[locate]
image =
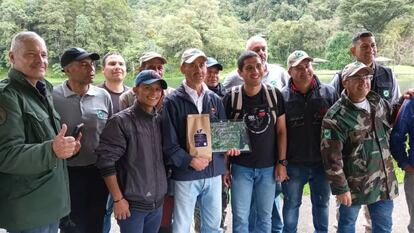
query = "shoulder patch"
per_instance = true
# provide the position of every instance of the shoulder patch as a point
(333, 110)
(3, 115)
(327, 134)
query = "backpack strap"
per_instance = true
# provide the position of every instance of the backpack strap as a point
(236, 101)
(271, 100)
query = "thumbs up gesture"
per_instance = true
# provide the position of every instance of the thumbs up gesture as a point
(65, 147)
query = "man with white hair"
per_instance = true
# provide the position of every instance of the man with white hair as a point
(34, 190)
(274, 75)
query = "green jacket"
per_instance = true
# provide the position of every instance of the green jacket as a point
(34, 188)
(355, 150)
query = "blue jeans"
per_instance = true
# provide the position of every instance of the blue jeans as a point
(50, 228)
(142, 222)
(208, 194)
(277, 222)
(299, 175)
(108, 214)
(249, 184)
(381, 216)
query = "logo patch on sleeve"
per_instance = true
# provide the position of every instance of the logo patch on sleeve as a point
(386, 93)
(327, 134)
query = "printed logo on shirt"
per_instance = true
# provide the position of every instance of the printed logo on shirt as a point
(101, 114)
(257, 120)
(3, 115)
(273, 83)
(386, 93)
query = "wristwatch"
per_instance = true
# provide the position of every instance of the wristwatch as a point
(283, 162)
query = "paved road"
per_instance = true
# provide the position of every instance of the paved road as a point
(400, 217)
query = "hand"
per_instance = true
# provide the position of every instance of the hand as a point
(408, 94)
(227, 178)
(121, 210)
(281, 173)
(64, 147)
(345, 199)
(409, 169)
(199, 163)
(78, 144)
(232, 152)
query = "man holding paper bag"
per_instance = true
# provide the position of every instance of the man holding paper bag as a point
(196, 171)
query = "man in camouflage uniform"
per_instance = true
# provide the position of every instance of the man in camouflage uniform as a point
(355, 152)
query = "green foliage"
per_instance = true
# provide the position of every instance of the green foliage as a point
(372, 15)
(397, 40)
(337, 50)
(219, 27)
(305, 34)
(13, 19)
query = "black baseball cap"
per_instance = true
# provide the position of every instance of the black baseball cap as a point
(149, 77)
(76, 54)
(213, 62)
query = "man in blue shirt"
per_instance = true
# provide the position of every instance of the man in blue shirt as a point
(405, 125)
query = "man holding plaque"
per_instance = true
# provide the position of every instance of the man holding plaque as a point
(196, 177)
(254, 174)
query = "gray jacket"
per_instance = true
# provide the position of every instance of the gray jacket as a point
(130, 147)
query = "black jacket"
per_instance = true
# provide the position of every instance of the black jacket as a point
(176, 107)
(130, 147)
(304, 114)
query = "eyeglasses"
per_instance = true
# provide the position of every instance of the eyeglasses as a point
(361, 77)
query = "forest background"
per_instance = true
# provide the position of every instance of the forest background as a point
(220, 28)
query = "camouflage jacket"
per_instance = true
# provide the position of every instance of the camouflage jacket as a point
(355, 150)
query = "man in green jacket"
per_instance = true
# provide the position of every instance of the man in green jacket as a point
(34, 191)
(355, 152)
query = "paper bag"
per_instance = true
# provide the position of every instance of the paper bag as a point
(199, 135)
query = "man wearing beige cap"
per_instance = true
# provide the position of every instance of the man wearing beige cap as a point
(195, 178)
(355, 151)
(364, 50)
(306, 102)
(148, 61)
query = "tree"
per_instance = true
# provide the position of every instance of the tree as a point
(397, 40)
(372, 15)
(13, 19)
(337, 50)
(305, 34)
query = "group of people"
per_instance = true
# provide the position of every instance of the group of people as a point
(131, 157)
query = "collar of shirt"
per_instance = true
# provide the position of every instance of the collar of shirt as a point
(68, 92)
(197, 99)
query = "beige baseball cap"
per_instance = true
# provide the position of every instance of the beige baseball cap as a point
(151, 55)
(190, 55)
(296, 57)
(353, 68)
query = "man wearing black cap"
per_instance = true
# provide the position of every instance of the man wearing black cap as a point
(77, 101)
(213, 78)
(132, 140)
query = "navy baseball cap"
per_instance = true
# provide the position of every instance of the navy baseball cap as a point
(149, 77)
(76, 54)
(213, 62)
